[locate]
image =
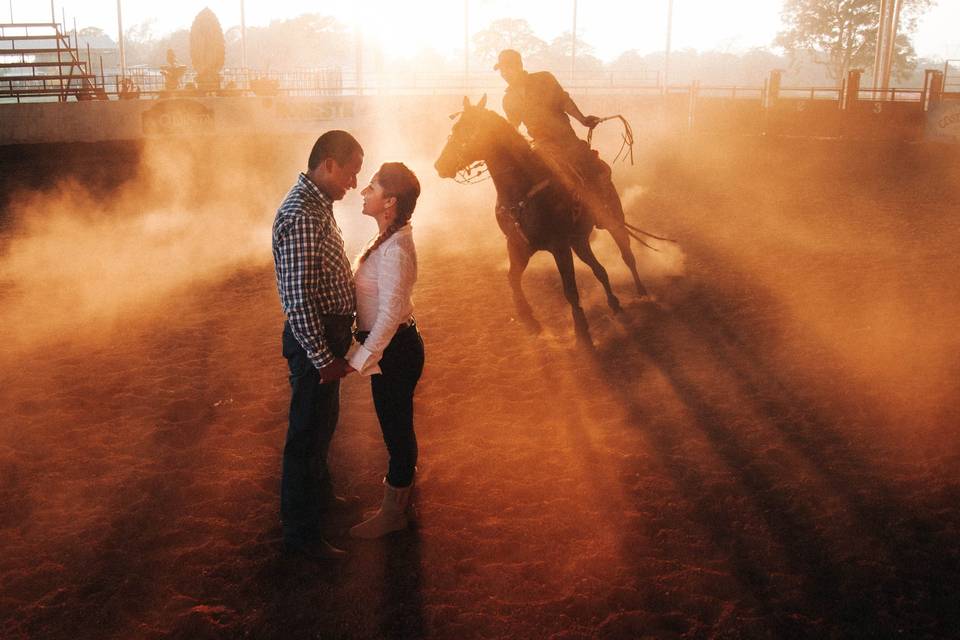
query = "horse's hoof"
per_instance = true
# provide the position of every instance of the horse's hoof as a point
(615, 306)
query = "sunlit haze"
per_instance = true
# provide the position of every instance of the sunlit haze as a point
(403, 29)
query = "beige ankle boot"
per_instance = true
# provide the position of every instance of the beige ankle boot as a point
(391, 516)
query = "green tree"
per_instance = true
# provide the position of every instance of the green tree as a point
(207, 49)
(844, 33)
(507, 33)
(556, 56)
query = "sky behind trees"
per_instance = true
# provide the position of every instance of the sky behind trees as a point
(400, 29)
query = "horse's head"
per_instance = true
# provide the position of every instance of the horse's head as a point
(469, 141)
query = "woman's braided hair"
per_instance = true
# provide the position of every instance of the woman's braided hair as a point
(399, 182)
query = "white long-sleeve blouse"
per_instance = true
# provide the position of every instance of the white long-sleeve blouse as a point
(384, 284)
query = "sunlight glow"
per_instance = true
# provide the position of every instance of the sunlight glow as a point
(398, 29)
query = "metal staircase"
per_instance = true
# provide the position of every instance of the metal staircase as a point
(38, 61)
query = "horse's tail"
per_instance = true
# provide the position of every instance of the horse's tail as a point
(639, 238)
(636, 230)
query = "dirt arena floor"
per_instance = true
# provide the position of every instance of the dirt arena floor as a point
(767, 449)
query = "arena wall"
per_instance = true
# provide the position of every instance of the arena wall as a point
(104, 121)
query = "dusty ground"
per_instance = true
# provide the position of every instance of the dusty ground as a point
(770, 450)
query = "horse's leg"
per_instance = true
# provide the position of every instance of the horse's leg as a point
(581, 246)
(564, 259)
(519, 258)
(613, 220)
(622, 238)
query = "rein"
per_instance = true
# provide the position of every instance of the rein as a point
(466, 175)
(513, 213)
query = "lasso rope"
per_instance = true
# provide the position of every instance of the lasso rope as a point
(627, 137)
(635, 232)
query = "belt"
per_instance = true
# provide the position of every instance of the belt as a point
(361, 336)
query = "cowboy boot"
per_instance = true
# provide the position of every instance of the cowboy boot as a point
(419, 476)
(391, 516)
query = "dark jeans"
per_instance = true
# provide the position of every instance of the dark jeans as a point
(401, 366)
(305, 486)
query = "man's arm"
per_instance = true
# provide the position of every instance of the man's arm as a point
(570, 107)
(298, 276)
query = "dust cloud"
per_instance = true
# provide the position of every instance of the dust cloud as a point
(76, 261)
(844, 251)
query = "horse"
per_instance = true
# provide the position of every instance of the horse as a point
(594, 187)
(534, 210)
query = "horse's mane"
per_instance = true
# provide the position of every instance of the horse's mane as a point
(517, 145)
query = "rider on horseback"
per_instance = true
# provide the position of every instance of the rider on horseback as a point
(539, 102)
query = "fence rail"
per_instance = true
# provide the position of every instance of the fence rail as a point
(156, 82)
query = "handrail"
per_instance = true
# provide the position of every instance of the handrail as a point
(20, 65)
(6, 38)
(27, 24)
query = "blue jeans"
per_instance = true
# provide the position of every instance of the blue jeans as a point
(305, 486)
(401, 366)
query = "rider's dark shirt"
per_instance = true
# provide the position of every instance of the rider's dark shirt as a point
(538, 100)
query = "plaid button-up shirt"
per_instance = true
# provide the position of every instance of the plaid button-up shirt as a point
(313, 272)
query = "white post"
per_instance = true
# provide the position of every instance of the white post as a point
(666, 57)
(878, 57)
(358, 43)
(573, 50)
(123, 55)
(891, 42)
(243, 38)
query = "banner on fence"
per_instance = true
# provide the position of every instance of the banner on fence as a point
(943, 122)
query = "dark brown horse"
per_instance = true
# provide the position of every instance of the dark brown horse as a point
(534, 210)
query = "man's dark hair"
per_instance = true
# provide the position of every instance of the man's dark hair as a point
(335, 144)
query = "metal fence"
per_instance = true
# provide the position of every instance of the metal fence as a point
(154, 82)
(951, 76)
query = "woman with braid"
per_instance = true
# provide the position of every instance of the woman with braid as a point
(389, 348)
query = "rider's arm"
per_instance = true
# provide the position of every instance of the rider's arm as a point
(570, 107)
(567, 103)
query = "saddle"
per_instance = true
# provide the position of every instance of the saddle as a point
(578, 169)
(562, 165)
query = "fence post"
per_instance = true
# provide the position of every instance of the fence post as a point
(932, 89)
(851, 89)
(773, 88)
(692, 107)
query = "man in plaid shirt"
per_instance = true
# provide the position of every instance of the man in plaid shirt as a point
(318, 298)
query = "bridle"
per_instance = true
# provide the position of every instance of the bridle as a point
(469, 173)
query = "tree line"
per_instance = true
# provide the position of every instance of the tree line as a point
(822, 40)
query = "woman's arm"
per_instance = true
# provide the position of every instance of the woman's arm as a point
(396, 276)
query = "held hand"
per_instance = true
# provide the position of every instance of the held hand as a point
(335, 370)
(591, 121)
